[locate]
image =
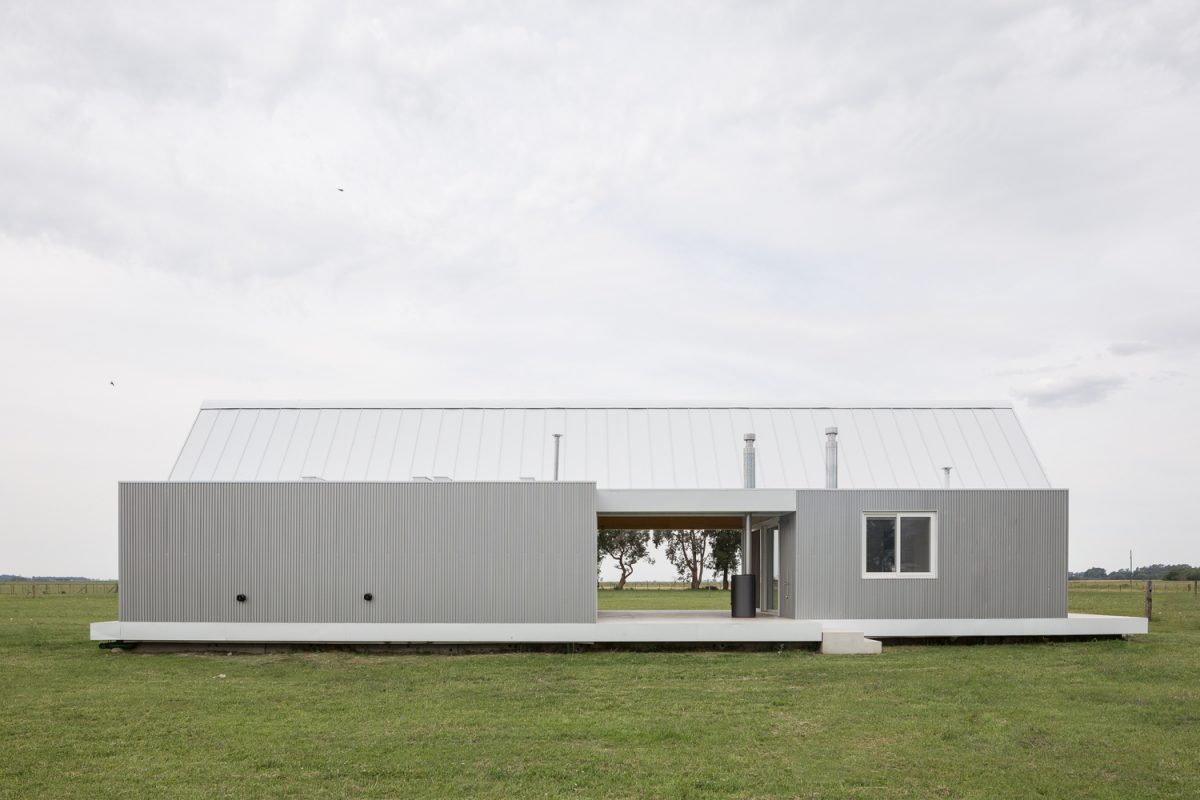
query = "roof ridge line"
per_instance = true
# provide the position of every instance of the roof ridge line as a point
(575, 404)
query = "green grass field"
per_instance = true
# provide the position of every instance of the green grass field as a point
(1078, 719)
(669, 598)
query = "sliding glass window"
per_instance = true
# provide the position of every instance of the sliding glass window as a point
(899, 545)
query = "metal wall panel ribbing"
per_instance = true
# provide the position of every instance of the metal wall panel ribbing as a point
(1000, 554)
(308, 551)
(787, 566)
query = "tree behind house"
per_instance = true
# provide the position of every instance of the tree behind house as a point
(723, 556)
(687, 551)
(626, 547)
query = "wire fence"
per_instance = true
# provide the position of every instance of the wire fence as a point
(51, 588)
(1136, 585)
(666, 586)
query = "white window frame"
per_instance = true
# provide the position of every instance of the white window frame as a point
(898, 516)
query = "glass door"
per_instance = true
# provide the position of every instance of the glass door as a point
(769, 569)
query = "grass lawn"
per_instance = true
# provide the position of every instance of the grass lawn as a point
(1081, 719)
(662, 599)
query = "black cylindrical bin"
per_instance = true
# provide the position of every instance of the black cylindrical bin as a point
(744, 595)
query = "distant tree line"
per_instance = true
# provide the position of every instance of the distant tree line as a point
(42, 579)
(691, 552)
(1153, 572)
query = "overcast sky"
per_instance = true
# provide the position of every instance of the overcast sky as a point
(877, 203)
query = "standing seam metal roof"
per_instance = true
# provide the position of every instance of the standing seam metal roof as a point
(645, 447)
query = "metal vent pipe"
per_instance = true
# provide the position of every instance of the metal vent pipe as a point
(831, 448)
(748, 461)
(947, 471)
(557, 440)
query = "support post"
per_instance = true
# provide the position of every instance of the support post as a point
(1149, 598)
(746, 545)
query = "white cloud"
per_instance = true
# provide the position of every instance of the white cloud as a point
(1079, 390)
(1131, 348)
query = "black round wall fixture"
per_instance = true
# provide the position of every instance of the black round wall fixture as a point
(368, 597)
(241, 598)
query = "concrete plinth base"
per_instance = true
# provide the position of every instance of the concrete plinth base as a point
(623, 627)
(848, 643)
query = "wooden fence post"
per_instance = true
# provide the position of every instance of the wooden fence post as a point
(1149, 598)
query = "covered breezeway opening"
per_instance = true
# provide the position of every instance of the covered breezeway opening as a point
(764, 560)
(763, 516)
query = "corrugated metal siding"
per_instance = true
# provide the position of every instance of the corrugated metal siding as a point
(787, 566)
(1000, 554)
(618, 448)
(307, 552)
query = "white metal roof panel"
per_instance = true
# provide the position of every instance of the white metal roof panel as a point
(648, 447)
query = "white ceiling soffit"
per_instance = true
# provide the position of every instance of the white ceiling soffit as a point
(618, 448)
